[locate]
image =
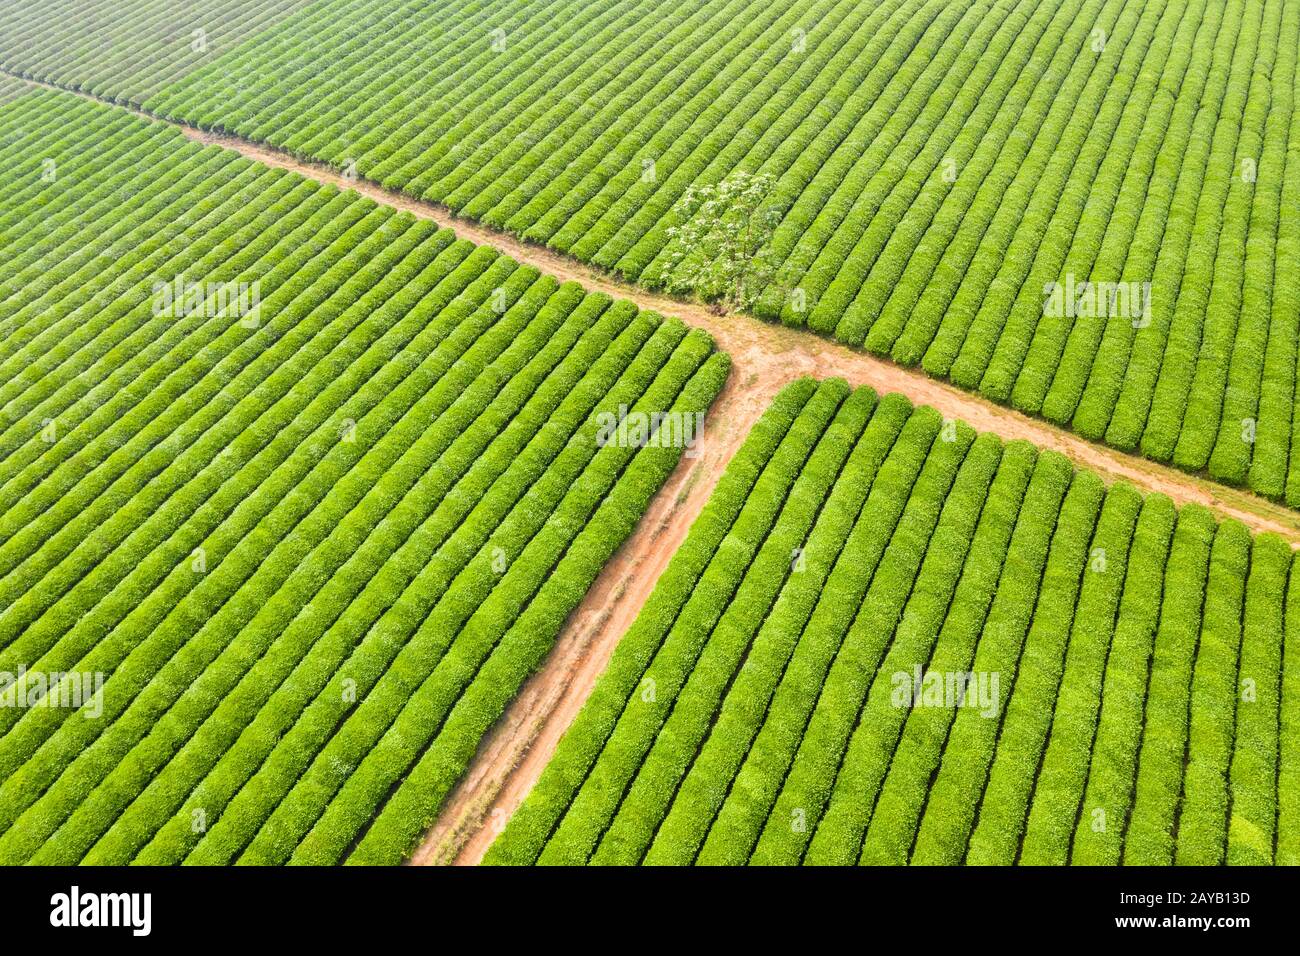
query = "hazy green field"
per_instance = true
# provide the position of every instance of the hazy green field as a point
(939, 169)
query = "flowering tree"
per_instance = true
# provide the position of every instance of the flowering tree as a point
(719, 248)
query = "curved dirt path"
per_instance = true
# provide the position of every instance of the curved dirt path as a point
(768, 356)
(765, 357)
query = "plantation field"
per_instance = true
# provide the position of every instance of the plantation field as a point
(11, 89)
(788, 692)
(313, 516)
(126, 50)
(299, 488)
(938, 168)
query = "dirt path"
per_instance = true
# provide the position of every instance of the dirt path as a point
(768, 355)
(765, 357)
(512, 756)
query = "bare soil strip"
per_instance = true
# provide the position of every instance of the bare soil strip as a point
(765, 358)
(512, 756)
